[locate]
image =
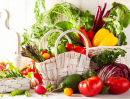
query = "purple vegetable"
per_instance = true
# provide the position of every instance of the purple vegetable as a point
(98, 20)
(113, 69)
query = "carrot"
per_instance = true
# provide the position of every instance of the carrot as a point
(83, 31)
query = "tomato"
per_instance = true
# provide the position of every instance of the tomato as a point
(69, 47)
(82, 28)
(24, 72)
(52, 56)
(42, 52)
(46, 55)
(117, 85)
(80, 50)
(76, 47)
(71, 51)
(68, 91)
(91, 86)
(90, 35)
(40, 89)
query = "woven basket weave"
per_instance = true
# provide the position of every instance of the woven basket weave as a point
(97, 50)
(54, 70)
(12, 84)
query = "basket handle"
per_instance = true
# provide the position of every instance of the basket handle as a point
(66, 32)
(49, 32)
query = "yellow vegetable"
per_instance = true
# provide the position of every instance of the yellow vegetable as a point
(109, 40)
(104, 38)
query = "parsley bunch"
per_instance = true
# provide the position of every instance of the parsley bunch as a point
(108, 56)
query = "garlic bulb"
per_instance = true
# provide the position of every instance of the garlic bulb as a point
(34, 82)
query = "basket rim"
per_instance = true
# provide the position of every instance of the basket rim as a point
(125, 46)
(61, 54)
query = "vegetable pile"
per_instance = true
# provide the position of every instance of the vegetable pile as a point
(99, 30)
(8, 71)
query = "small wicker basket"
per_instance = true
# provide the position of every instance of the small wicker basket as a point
(97, 50)
(54, 70)
(12, 84)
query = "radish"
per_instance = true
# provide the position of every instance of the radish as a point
(40, 89)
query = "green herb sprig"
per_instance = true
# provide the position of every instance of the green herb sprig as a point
(89, 74)
(108, 56)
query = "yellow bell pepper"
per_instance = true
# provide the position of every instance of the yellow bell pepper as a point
(104, 38)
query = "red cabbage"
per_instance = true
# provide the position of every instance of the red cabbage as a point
(113, 69)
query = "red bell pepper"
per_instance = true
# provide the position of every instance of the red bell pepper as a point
(34, 70)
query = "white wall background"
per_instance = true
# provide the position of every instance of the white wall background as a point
(21, 12)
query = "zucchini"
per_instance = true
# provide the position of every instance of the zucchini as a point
(71, 82)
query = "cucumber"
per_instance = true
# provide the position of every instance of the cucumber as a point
(71, 82)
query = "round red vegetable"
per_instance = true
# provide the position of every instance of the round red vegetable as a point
(91, 86)
(40, 89)
(90, 35)
(42, 52)
(69, 47)
(117, 85)
(81, 50)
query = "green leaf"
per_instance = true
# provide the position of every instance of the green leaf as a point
(27, 93)
(87, 20)
(64, 25)
(88, 74)
(49, 87)
(29, 74)
(105, 88)
(113, 26)
(122, 39)
(124, 14)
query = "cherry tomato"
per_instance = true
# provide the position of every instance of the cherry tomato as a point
(76, 47)
(82, 28)
(24, 72)
(68, 91)
(91, 86)
(117, 85)
(52, 56)
(71, 51)
(69, 47)
(80, 50)
(46, 55)
(42, 52)
(90, 35)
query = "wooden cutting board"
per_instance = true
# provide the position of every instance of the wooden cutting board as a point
(8, 38)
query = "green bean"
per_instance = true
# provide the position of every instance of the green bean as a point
(17, 92)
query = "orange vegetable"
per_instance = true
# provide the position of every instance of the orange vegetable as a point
(46, 55)
(83, 31)
(68, 91)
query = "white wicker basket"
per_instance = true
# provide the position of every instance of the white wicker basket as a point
(97, 50)
(54, 70)
(12, 84)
